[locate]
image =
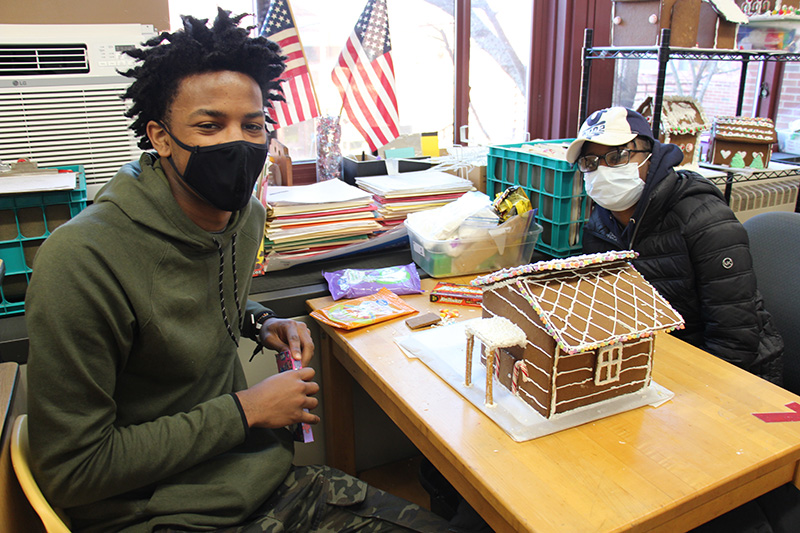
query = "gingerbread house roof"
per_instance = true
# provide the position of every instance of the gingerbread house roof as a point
(589, 301)
(745, 129)
(679, 114)
(729, 10)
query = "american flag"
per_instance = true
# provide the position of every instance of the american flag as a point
(364, 76)
(301, 100)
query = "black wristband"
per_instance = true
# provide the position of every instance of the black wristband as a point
(260, 318)
(258, 323)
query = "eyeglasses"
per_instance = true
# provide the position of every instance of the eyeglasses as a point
(614, 158)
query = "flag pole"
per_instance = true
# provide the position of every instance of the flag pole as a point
(303, 48)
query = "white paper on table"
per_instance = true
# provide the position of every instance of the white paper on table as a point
(443, 350)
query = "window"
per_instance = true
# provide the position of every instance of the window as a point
(423, 50)
(609, 365)
(712, 83)
(422, 33)
(500, 47)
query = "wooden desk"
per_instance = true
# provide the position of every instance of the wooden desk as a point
(669, 468)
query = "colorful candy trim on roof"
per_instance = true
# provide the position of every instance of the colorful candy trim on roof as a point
(567, 263)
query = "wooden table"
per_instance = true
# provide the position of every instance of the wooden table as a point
(667, 469)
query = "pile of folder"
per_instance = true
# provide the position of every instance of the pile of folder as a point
(397, 195)
(311, 219)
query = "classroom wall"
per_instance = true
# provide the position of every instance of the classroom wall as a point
(155, 12)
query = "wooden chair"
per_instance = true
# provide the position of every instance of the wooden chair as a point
(53, 519)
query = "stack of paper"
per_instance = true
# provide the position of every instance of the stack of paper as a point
(37, 180)
(397, 195)
(311, 219)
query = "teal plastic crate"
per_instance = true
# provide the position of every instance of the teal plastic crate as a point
(554, 187)
(26, 220)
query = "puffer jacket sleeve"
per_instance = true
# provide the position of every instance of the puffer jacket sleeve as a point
(719, 250)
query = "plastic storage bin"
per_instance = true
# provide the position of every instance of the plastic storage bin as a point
(554, 187)
(456, 257)
(26, 220)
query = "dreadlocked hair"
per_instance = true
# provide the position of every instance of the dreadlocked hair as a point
(197, 49)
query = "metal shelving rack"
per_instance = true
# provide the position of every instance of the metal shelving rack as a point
(663, 53)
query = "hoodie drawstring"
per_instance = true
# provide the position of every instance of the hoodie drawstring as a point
(235, 286)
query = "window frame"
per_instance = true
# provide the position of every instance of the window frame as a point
(609, 359)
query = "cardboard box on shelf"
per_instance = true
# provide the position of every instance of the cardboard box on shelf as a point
(477, 175)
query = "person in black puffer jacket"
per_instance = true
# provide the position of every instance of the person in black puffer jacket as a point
(691, 246)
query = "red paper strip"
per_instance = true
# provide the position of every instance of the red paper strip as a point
(794, 416)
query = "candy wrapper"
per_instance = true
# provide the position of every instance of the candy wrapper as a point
(355, 283)
(302, 432)
(359, 312)
(451, 293)
(512, 201)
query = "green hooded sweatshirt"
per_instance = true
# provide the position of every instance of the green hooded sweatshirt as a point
(131, 369)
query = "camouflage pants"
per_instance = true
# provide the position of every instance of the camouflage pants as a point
(325, 500)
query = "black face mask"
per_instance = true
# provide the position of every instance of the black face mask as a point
(222, 174)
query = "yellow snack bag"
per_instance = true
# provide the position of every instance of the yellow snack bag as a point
(359, 312)
(512, 201)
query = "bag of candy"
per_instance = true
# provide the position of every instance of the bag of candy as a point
(355, 283)
(359, 312)
(302, 432)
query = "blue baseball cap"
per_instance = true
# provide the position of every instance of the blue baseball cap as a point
(613, 126)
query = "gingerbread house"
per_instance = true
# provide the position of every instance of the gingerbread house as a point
(719, 24)
(742, 142)
(589, 324)
(682, 122)
(704, 23)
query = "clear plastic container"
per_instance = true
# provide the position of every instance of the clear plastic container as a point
(503, 246)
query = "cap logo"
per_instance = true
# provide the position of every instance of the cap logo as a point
(594, 131)
(594, 125)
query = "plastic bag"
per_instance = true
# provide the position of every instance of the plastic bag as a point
(441, 223)
(355, 283)
(359, 312)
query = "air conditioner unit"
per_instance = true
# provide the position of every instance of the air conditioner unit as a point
(60, 95)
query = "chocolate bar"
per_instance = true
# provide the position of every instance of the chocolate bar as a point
(452, 293)
(422, 321)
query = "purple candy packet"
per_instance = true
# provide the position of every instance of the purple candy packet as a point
(355, 283)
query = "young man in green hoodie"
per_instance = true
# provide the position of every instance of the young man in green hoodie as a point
(140, 417)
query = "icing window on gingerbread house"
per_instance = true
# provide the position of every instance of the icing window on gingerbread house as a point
(609, 364)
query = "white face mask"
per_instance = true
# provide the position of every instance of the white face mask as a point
(615, 188)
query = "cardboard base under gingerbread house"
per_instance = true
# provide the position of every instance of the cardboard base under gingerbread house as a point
(443, 350)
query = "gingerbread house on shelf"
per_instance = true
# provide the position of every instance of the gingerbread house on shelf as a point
(703, 23)
(682, 122)
(589, 323)
(742, 142)
(719, 24)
